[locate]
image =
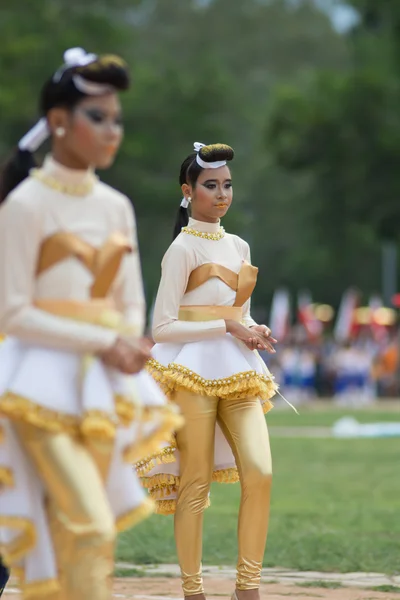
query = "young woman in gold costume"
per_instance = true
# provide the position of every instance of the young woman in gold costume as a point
(206, 358)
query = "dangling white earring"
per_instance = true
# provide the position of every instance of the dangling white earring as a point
(60, 132)
(189, 198)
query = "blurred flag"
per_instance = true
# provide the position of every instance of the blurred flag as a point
(306, 316)
(279, 320)
(378, 330)
(345, 318)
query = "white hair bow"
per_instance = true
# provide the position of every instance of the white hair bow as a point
(197, 146)
(74, 57)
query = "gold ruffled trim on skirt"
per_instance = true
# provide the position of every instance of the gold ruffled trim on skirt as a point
(247, 384)
(99, 425)
(168, 507)
(94, 423)
(165, 484)
(125, 409)
(151, 445)
(135, 516)
(166, 456)
(17, 408)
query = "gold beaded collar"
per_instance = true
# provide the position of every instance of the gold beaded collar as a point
(218, 235)
(73, 189)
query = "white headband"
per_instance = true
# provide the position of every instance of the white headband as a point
(74, 57)
(202, 163)
(197, 146)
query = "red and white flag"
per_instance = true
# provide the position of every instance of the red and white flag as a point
(345, 323)
(306, 316)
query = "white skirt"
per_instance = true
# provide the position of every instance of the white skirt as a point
(223, 368)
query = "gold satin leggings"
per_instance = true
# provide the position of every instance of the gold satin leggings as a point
(80, 518)
(244, 426)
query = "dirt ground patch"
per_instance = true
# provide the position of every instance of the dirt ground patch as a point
(152, 588)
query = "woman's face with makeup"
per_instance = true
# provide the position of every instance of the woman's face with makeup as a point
(212, 195)
(94, 131)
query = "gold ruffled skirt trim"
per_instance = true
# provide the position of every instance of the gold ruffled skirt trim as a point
(135, 516)
(18, 408)
(241, 385)
(98, 424)
(165, 484)
(168, 507)
(150, 445)
(94, 423)
(166, 456)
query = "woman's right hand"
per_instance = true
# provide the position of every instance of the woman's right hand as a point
(252, 338)
(127, 358)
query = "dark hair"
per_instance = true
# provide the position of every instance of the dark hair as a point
(62, 92)
(190, 172)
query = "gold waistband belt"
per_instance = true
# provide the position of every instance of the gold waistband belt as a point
(210, 313)
(96, 312)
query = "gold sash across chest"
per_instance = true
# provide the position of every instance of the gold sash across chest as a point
(243, 283)
(103, 262)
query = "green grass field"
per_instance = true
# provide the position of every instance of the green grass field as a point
(335, 505)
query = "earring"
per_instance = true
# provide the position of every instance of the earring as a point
(60, 132)
(189, 198)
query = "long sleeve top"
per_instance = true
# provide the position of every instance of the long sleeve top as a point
(64, 220)
(202, 268)
(185, 254)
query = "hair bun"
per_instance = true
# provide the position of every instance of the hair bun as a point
(216, 152)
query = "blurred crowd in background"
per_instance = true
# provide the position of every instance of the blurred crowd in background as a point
(351, 357)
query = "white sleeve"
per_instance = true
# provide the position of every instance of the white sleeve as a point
(247, 318)
(167, 327)
(129, 294)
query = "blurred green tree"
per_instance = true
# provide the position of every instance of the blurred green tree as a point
(342, 131)
(201, 72)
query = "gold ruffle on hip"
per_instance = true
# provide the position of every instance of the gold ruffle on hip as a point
(240, 385)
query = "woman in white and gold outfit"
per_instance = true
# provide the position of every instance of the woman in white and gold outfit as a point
(72, 308)
(205, 358)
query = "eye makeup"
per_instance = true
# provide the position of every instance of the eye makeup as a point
(99, 117)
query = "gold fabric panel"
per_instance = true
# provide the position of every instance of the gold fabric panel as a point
(102, 262)
(209, 270)
(247, 280)
(243, 282)
(209, 313)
